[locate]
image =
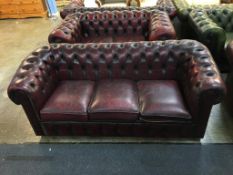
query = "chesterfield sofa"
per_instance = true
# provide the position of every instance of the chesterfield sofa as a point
(112, 3)
(114, 26)
(70, 10)
(152, 89)
(183, 8)
(214, 28)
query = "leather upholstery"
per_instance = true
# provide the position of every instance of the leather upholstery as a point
(160, 27)
(229, 52)
(211, 27)
(116, 24)
(67, 10)
(111, 3)
(115, 100)
(187, 62)
(229, 79)
(183, 8)
(69, 101)
(161, 99)
(168, 6)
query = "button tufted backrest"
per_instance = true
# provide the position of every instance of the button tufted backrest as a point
(223, 17)
(79, 10)
(142, 60)
(187, 61)
(115, 22)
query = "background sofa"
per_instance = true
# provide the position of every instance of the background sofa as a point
(214, 28)
(112, 3)
(114, 26)
(161, 89)
(68, 10)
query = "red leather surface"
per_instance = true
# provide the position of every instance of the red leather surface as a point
(99, 26)
(73, 8)
(160, 27)
(187, 62)
(161, 99)
(68, 102)
(115, 100)
(97, 39)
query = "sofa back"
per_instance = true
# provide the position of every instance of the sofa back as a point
(115, 23)
(223, 17)
(136, 61)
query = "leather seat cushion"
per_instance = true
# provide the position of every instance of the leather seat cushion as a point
(68, 102)
(161, 99)
(129, 38)
(111, 39)
(115, 100)
(97, 39)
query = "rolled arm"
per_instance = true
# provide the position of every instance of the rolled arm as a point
(200, 78)
(207, 31)
(160, 27)
(229, 52)
(183, 9)
(34, 80)
(72, 5)
(67, 32)
(167, 6)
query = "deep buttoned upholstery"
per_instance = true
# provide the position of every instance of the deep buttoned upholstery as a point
(214, 28)
(115, 89)
(114, 26)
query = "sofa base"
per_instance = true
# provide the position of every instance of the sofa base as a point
(166, 130)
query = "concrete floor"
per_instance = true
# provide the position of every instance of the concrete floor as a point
(19, 38)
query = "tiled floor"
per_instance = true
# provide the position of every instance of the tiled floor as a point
(18, 38)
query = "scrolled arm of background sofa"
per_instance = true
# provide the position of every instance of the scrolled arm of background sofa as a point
(75, 4)
(229, 52)
(199, 74)
(67, 32)
(207, 30)
(160, 27)
(34, 80)
(183, 9)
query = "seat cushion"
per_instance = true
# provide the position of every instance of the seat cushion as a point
(97, 39)
(161, 99)
(114, 100)
(68, 102)
(129, 38)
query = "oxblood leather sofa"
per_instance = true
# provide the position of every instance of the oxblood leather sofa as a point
(68, 10)
(111, 3)
(161, 89)
(114, 26)
(167, 5)
(214, 28)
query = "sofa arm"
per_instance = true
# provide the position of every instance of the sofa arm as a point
(183, 9)
(167, 6)
(229, 52)
(199, 76)
(72, 5)
(32, 84)
(208, 31)
(68, 31)
(160, 27)
(34, 80)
